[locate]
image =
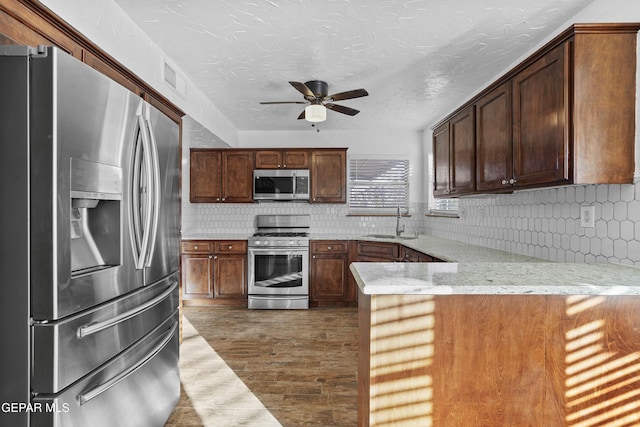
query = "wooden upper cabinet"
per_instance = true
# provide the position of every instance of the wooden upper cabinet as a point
(462, 158)
(454, 155)
(329, 176)
(237, 176)
(205, 176)
(566, 115)
(540, 137)
(604, 103)
(282, 159)
(493, 138)
(221, 176)
(441, 160)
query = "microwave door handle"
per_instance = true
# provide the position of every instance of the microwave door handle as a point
(295, 185)
(156, 196)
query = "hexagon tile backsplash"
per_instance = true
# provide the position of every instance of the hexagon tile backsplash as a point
(542, 223)
(546, 223)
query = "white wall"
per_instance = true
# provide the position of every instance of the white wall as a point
(106, 25)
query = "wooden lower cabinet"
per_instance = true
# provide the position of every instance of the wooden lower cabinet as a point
(214, 272)
(411, 255)
(329, 282)
(230, 276)
(377, 252)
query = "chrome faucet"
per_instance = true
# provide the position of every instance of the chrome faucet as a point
(399, 230)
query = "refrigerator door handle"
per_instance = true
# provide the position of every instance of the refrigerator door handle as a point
(92, 328)
(98, 390)
(141, 229)
(155, 205)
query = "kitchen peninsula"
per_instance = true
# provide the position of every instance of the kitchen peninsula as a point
(498, 343)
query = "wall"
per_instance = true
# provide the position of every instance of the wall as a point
(545, 223)
(106, 25)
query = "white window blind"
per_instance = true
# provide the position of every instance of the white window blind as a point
(448, 207)
(378, 186)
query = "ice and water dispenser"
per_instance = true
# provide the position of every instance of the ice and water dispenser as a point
(96, 197)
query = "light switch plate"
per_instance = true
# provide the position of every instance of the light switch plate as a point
(587, 214)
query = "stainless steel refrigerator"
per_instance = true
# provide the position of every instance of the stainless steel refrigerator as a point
(89, 210)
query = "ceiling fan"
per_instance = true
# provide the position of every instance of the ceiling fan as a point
(317, 99)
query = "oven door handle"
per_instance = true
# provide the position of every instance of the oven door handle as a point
(279, 251)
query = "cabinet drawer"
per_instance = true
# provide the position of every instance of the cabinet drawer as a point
(328, 247)
(196, 247)
(230, 246)
(389, 251)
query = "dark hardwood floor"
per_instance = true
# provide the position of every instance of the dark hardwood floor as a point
(301, 364)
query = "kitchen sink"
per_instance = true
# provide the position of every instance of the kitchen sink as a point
(391, 236)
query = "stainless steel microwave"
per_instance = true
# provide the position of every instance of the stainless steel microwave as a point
(280, 184)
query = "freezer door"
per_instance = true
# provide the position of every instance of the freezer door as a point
(66, 350)
(81, 127)
(155, 206)
(139, 388)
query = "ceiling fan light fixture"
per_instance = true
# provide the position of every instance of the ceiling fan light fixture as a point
(315, 113)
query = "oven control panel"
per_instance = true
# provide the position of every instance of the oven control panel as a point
(280, 243)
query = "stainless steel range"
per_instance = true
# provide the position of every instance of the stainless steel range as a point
(279, 262)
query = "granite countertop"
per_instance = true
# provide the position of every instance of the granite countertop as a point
(496, 278)
(472, 269)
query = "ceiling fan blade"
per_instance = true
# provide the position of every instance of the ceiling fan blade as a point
(303, 89)
(283, 102)
(350, 94)
(342, 109)
(301, 116)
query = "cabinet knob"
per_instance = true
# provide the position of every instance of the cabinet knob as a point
(314, 257)
(223, 199)
(210, 256)
(230, 247)
(505, 182)
(513, 181)
(329, 247)
(218, 199)
(195, 247)
(284, 166)
(215, 257)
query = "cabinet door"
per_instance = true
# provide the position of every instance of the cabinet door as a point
(295, 159)
(493, 139)
(197, 276)
(328, 176)
(205, 176)
(540, 143)
(411, 255)
(268, 159)
(230, 280)
(383, 251)
(328, 278)
(237, 173)
(441, 160)
(462, 156)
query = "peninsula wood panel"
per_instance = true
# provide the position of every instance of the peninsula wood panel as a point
(499, 360)
(489, 358)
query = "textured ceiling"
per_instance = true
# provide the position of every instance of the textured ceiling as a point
(418, 59)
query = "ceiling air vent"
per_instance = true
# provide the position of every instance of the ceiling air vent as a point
(174, 79)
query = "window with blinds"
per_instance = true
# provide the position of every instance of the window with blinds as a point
(440, 206)
(378, 186)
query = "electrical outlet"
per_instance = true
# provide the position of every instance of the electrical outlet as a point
(587, 214)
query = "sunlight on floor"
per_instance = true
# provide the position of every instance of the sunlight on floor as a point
(219, 397)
